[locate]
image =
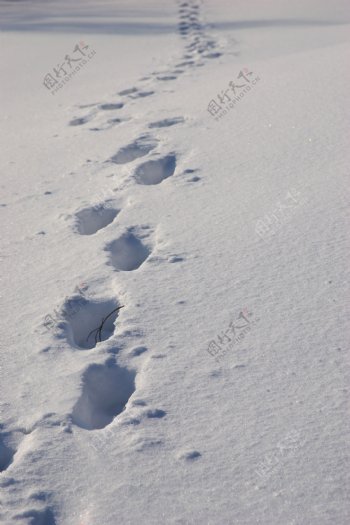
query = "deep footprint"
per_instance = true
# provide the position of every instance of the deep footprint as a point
(106, 390)
(83, 317)
(155, 171)
(128, 252)
(166, 122)
(91, 220)
(133, 151)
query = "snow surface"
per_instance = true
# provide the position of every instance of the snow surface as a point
(174, 343)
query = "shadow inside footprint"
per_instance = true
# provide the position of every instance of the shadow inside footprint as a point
(128, 252)
(166, 122)
(6, 452)
(83, 317)
(155, 171)
(106, 390)
(91, 220)
(133, 151)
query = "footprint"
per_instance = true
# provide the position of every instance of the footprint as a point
(128, 91)
(91, 220)
(155, 413)
(37, 517)
(155, 171)
(106, 390)
(6, 451)
(135, 352)
(133, 151)
(128, 252)
(166, 122)
(167, 77)
(79, 121)
(186, 63)
(189, 455)
(108, 107)
(83, 318)
(213, 55)
(143, 94)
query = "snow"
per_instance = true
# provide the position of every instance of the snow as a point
(174, 335)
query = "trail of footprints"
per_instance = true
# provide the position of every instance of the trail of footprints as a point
(107, 388)
(199, 48)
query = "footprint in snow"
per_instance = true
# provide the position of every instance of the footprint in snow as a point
(90, 220)
(165, 123)
(88, 322)
(108, 107)
(138, 350)
(189, 455)
(167, 77)
(138, 148)
(142, 94)
(37, 517)
(7, 451)
(106, 390)
(10, 443)
(79, 121)
(128, 252)
(155, 171)
(128, 91)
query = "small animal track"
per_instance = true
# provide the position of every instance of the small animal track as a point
(133, 151)
(105, 391)
(128, 252)
(166, 122)
(82, 316)
(91, 220)
(155, 171)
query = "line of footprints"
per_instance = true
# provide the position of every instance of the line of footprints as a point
(107, 387)
(99, 405)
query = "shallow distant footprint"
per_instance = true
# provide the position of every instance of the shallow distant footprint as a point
(155, 171)
(138, 148)
(79, 121)
(128, 91)
(91, 220)
(165, 123)
(108, 107)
